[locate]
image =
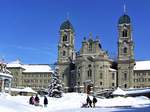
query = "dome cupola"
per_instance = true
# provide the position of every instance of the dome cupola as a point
(124, 19)
(66, 25)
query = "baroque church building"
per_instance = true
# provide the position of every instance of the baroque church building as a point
(88, 70)
(91, 69)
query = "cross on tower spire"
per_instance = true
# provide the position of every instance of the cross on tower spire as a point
(68, 15)
(124, 7)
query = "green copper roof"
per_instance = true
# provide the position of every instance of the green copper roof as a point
(124, 19)
(66, 25)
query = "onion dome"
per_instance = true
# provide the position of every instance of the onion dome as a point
(66, 25)
(124, 19)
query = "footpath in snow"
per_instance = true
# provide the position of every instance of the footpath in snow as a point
(70, 102)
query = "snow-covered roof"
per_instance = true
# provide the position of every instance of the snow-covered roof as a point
(119, 91)
(37, 68)
(111, 69)
(14, 64)
(30, 67)
(5, 75)
(142, 65)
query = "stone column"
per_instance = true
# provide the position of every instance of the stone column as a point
(9, 90)
(3, 89)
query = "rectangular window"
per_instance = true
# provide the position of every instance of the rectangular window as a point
(113, 84)
(101, 76)
(101, 83)
(125, 76)
(113, 76)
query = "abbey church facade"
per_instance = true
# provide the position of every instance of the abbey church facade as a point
(92, 67)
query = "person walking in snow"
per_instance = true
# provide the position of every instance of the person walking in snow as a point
(45, 101)
(31, 100)
(37, 100)
(88, 101)
(94, 101)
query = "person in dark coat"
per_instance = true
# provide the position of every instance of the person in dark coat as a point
(37, 100)
(45, 101)
(94, 101)
(31, 100)
(88, 101)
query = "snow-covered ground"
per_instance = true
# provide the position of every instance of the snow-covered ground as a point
(72, 102)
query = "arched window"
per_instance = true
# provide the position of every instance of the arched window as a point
(90, 46)
(101, 75)
(89, 73)
(125, 50)
(124, 33)
(64, 38)
(125, 86)
(64, 53)
(89, 65)
(125, 76)
(63, 76)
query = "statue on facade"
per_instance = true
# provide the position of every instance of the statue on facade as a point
(3, 67)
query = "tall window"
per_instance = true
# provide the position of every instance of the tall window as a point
(64, 53)
(125, 86)
(125, 76)
(101, 83)
(63, 76)
(124, 33)
(89, 73)
(90, 46)
(113, 76)
(113, 84)
(64, 38)
(79, 70)
(101, 75)
(125, 50)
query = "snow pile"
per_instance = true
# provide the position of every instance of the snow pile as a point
(118, 92)
(138, 91)
(69, 102)
(124, 102)
(28, 89)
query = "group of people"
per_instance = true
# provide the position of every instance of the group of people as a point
(36, 100)
(89, 102)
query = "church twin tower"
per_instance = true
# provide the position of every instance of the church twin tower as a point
(69, 66)
(126, 60)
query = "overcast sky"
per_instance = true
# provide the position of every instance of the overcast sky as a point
(29, 29)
